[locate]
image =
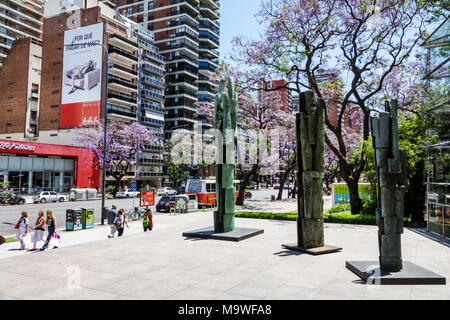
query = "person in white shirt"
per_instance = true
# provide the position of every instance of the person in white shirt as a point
(23, 229)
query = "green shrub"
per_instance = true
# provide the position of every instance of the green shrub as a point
(340, 208)
(343, 218)
(7, 240)
(369, 206)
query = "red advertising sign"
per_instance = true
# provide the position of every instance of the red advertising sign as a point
(147, 198)
(84, 113)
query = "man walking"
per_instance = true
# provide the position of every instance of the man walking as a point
(112, 213)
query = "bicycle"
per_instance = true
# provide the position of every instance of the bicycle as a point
(136, 213)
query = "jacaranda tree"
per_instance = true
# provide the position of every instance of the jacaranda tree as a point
(350, 52)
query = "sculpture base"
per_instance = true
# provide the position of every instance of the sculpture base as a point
(314, 251)
(238, 234)
(410, 274)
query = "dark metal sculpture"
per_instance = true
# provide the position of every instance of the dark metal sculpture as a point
(225, 122)
(310, 126)
(390, 162)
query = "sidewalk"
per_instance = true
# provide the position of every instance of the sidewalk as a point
(162, 264)
(72, 238)
(285, 205)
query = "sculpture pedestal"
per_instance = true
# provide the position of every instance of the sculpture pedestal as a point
(314, 251)
(236, 235)
(410, 274)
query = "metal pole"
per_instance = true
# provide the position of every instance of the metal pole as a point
(105, 149)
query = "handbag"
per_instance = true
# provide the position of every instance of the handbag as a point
(55, 240)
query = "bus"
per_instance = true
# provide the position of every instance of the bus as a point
(206, 190)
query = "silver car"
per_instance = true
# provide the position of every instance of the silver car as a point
(48, 196)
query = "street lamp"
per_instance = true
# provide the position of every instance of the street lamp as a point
(105, 121)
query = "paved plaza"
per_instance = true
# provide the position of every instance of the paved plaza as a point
(161, 264)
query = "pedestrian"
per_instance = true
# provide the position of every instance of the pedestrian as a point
(51, 229)
(39, 230)
(118, 224)
(112, 213)
(22, 229)
(147, 221)
(122, 225)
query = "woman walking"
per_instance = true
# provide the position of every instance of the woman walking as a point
(117, 224)
(22, 229)
(38, 234)
(147, 221)
(51, 228)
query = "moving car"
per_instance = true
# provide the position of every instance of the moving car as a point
(128, 194)
(47, 196)
(167, 191)
(164, 204)
(16, 199)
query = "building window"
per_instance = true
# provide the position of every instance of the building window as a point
(54, 106)
(53, 121)
(55, 91)
(151, 5)
(141, 8)
(10, 97)
(56, 63)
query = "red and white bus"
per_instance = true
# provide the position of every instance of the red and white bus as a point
(206, 190)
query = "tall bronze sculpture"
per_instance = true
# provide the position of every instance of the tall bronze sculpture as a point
(391, 165)
(226, 104)
(225, 122)
(310, 126)
(390, 162)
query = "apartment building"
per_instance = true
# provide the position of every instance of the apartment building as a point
(20, 79)
(135, 89)
(19, 19)
(187, 33)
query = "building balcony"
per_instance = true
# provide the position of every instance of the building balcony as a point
(127, 100)
(123, 84)
(214, 4)
(151, 121)
(123, 43)
(121, 111)
(153, 83)
(122, 54)
(153, 69)
(210, 12)
(151, 161)
(122, 71)
(152, 108)
(181, 92)
(152, 95)
(154, 56)
(182, 22)
(186, 12)
(143, 174)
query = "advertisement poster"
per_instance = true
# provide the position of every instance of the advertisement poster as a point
(147, 198)
(82, 76)
(341, 194)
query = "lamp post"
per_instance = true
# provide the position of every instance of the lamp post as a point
(104, 123)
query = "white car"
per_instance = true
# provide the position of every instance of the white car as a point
(168, 191)
(48, 196)
(128, 194)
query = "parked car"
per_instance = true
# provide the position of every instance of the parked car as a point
(164, 204)
(48, 196)
(16, 199)
(128, 194)
(167, 191)
(276, 187)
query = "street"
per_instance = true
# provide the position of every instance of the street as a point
(9, 215)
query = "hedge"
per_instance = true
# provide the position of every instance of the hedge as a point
(340, 208)
(343, 218)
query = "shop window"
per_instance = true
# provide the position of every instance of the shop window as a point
(14, 163)
(4, 163)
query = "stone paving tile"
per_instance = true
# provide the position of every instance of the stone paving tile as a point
(256, 289)
(164, 265)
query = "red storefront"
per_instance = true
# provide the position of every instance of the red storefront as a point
(32, 167)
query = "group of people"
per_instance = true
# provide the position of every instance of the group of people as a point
(22, 227)
(117, 221)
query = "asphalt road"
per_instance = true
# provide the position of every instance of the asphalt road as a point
(9, 215)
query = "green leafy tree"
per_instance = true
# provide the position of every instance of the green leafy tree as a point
(177, 175)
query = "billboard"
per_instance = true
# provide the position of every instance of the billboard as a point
(82, 76)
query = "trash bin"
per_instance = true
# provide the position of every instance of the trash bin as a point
(87, 218)
(272, 198)
(73, 220)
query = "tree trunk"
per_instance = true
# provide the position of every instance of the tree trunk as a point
(244, 184)
(355, 201)
(282, 181)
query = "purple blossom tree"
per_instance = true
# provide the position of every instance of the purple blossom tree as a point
(316, 44)
(124, 143)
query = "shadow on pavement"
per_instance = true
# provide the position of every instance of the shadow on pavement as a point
(432, 236)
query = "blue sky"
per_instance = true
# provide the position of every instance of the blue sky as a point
(237, 18)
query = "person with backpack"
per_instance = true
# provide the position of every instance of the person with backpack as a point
(39, 229)
(147, 221)
(22, 229)
(51, 228)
